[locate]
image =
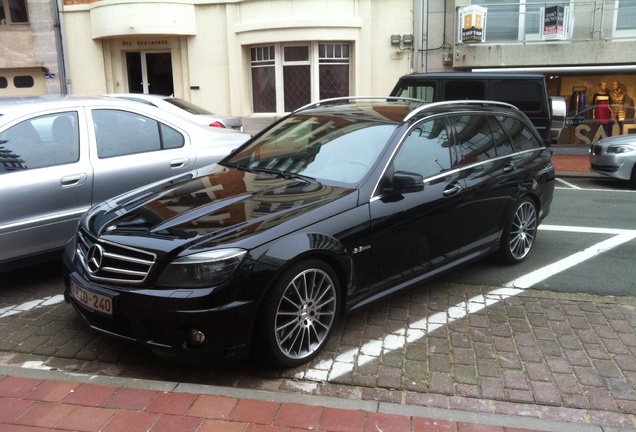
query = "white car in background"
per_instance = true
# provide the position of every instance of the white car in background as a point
(185, 108)
(615, 157)
(60, 155)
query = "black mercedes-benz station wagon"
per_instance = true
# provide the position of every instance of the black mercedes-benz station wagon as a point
(335, 206)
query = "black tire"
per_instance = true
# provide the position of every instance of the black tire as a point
(299, 314)
(632, 178)
(519, 232)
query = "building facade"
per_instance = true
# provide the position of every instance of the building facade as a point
(259, 59)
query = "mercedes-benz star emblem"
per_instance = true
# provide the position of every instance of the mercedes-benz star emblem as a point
(94, 258)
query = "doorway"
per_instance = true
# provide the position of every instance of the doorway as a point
(150, 72)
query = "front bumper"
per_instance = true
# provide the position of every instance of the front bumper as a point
(161, 319)
(615, 165)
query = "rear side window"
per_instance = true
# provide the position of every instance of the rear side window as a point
(120, 133)
(524, 96)
(520, 134)
(465, 90)
(474, 138)
(420, 90)
(503, 147)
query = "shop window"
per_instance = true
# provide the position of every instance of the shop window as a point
(282, 75)
(23, 81)
(13, 12)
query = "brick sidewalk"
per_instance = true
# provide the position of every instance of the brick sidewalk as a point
(30, 404)
(571, 163)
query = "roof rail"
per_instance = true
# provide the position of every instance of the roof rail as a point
(457, 102)
(353, 98)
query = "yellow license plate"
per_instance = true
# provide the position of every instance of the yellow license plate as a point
(93, 301)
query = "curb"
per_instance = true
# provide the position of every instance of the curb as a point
(485, 419)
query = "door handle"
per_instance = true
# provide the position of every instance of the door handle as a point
(179, 163)
(452, 189)
(509, 167)
(73, 180)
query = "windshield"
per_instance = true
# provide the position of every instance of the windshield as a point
(325, 148)
(188, 106)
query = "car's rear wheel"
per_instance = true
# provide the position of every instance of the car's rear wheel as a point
(519, 232)
(299, 314)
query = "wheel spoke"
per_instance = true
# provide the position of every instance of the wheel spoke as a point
(306, 313)
(523, 230)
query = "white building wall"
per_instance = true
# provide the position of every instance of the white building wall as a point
(85, 56)
(213, 47)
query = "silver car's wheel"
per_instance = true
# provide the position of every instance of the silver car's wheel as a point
(520, 231)
(300, 313)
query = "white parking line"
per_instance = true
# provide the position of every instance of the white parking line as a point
(345, 362)
(371, 351)
(46, 301)
(570, 185)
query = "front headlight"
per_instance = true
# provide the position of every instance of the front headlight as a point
(621, 149)
(203, 269)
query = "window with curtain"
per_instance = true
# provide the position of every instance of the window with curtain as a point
(287, 76)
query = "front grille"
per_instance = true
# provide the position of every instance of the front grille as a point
(111, 262)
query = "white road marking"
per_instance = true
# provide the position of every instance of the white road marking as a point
(346, 361)
(356, 357)
(46, 301)
(570, 185)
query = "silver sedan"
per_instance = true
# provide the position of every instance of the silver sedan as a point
(60, 155)
(615, 157)
(184, 108)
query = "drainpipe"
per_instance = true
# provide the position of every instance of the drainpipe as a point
(59, 46)
(420, 39)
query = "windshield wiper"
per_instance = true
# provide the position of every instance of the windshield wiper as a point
(287, 175)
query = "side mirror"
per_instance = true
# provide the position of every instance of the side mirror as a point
(405, 182)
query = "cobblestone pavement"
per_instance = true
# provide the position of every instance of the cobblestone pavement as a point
(530, 353)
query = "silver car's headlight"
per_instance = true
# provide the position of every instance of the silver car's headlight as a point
(203, 269)
(621, 149)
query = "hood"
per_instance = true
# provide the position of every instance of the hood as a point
(224, 206)
(618, 140)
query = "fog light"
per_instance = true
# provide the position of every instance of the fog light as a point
(196, 337)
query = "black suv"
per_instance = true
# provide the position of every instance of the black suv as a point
(337, 205)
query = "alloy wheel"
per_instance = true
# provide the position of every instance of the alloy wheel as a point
(523, 230)
(306, 313)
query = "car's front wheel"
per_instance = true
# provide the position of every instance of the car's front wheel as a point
(519, 232)
(299, 314)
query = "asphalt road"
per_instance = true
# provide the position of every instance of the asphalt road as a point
(590, 231)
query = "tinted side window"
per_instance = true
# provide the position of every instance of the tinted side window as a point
(474, 138)
(426, 150)
(458, 90)
(40, 142)
(121, 133)
(524, 96)
(171, 138)
(503, 146)
(420, 90)
(522, 137)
